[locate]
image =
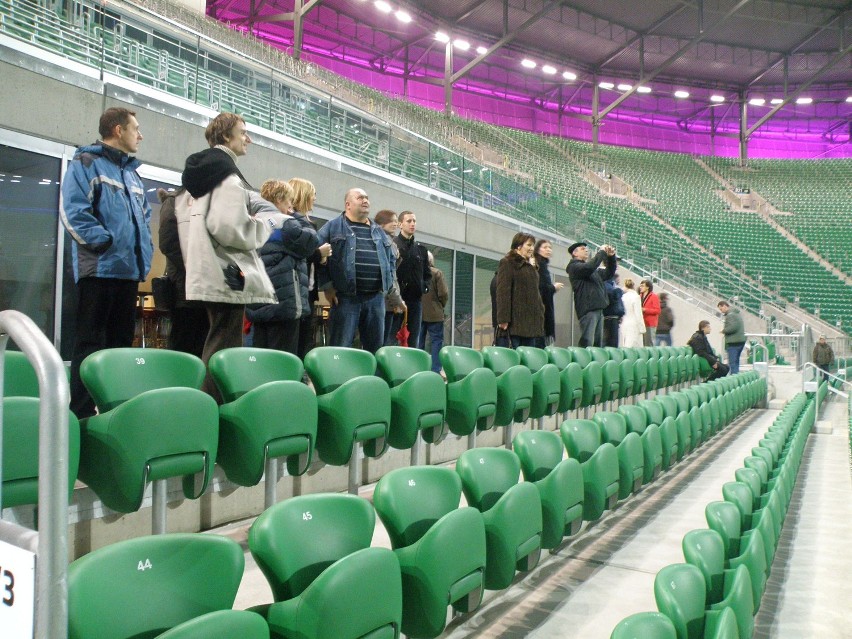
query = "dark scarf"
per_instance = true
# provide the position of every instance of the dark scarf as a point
(206, 169)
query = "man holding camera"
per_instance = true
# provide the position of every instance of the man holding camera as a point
(587, 281)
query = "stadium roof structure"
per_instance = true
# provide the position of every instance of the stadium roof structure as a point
(779, 68)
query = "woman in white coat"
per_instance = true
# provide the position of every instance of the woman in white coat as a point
(632, 325)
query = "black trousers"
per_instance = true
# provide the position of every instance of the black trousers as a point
(280, 336)
(106, 318)
(189, 329)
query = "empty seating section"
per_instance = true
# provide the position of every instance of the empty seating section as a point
(813, 196)
(728, 563)
(523, 175)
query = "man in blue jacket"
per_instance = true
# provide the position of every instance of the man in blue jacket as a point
(107, 216)
(358, 274)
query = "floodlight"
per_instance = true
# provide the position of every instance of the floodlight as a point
(625, 87)
(757, 102)
(403, 16)
(527, 63)
(481, 50)
(464, 45)
(681, 94)
(643, 89)
(442, 37)
(549, 70)
(804, 100)
(776, 100)
(717, 98)
(569, 76)
(606, 85)
(382, 6)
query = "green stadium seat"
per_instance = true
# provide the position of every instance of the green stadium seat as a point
(471, 390)
(599, 462)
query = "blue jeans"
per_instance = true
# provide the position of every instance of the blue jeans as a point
(734, 351)
(436, 339)
(362, 313)
(663, 339)
(393, 321)
(591, 329)
(517, 340)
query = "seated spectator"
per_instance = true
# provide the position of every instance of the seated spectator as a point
(701, 346)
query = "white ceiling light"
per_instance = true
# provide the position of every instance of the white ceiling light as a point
(442, 37)
(383, 6)
(625, 87)
(606, 85)
(481, 50)
(804, 100)
(717, 98)
(776, 100)
(643, 89)
(757, 102)
(403, 16)
(568, 75)
(849, 99)
(681, 94)
(527, 63)
(464, 45)
(549, 70)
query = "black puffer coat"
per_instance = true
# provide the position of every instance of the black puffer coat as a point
(285, 257)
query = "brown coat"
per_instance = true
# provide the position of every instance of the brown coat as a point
(518, 301)
(435, 299)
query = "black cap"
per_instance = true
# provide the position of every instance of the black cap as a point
(576, 245)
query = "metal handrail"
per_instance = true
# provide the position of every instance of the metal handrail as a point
(51, 618)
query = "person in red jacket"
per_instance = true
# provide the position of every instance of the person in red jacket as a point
(650, 310)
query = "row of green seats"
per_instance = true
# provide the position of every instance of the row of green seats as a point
(719, 589)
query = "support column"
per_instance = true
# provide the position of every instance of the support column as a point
(743, 129)
(298, 31)
(448, 77)
(596, 122)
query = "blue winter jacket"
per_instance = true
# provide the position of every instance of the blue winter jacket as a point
(339, 270)
(105, 212)
(285, 257)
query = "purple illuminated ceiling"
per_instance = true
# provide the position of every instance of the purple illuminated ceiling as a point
(726, 48)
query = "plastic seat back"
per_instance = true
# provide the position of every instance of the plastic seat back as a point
(20, 451)
(236, 371)
(459, 361)
(122, 448)
(741, 496)
(581, 438)
(571, 387)
(331, 366)
(613, 426)
(514, 384)
(615, 354)
(114, 375)
(669, 404)
(295, 540)
(145, 586)
(558, 356)
(652, 452)
(641, 376)
(19, 377)
(645, 625)
(222, 624)
(704, 549)
(680, 594)
(592, 383)
(511, 511)
(441, 548)
(546, 381)
(539, 453)
(353, 404)
(625, 373)
(724, 518)
(599, 354)
(610, 381)
(654, 411)
(418, 395)
(669, 442)
(580, 355)
(636, 417)
(268, 412)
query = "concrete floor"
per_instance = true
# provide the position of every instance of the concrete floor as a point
(606, 572)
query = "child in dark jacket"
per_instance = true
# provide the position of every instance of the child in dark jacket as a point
(285, 256)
